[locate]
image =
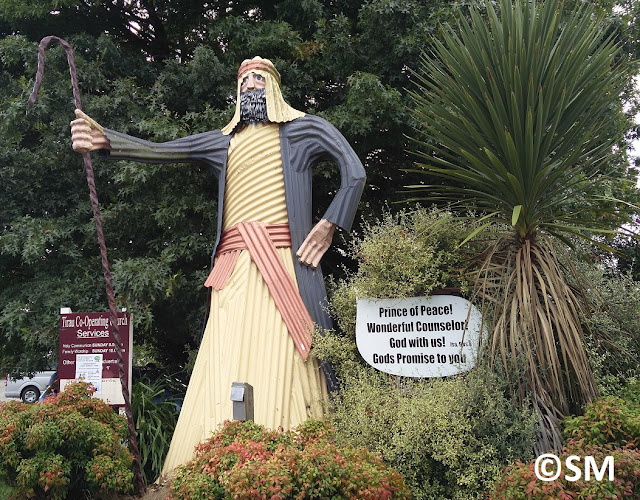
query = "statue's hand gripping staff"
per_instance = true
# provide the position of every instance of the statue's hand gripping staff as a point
(87, 134)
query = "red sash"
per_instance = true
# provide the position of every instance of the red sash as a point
(261, 240)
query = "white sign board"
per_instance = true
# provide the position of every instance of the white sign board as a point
(419, 336)
(89, 368)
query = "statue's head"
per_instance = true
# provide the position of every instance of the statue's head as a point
(256, 74)
(259, 66)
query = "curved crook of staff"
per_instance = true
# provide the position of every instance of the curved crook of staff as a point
(113, 315)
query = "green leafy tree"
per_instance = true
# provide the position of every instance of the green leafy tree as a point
(162, 70)
(160, 220)
(48, 241)
(520, 116)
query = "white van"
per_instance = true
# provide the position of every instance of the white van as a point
(28, 389)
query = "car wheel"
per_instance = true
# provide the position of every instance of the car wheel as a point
(30, 394)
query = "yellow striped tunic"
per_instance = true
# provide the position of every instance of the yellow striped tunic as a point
(245, 339)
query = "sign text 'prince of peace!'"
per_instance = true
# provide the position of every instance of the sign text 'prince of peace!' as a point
(264, 300)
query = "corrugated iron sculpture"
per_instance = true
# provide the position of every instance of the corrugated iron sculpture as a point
(263, 300)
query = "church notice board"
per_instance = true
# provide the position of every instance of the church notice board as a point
(87, 350)
(418, 337)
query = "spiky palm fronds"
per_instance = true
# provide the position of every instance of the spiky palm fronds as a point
(517, 115)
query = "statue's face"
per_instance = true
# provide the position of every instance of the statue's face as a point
(252, 81)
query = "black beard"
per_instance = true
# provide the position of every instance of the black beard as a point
(253, 106)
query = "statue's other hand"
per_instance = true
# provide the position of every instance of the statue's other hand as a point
(87, 134)
(316, 243)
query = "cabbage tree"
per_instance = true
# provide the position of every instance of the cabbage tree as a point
(519, 114)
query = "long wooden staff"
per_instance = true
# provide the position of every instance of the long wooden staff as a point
(113, 315)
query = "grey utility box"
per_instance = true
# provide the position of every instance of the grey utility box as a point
(242, 397)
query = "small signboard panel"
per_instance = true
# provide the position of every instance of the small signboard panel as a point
(418, 336)
(87, 350)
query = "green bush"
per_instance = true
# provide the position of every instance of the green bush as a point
(449, 438)
(155, 419)
(5, 491)
(611, 320)
(243, 460)
(631, 392)
(64, 446)
(408, 254)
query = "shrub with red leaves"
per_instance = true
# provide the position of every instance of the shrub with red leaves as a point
(244, 460)
(609, 427)
(68, 446)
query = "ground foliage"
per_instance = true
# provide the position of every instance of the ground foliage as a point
(611, 321)
(65, 447)
(449, 438)
(155, 415)
(245, 460)
(609, 427)
(435, 432)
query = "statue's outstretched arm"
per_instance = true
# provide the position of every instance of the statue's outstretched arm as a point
(88, 135)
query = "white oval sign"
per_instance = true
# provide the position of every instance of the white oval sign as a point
(432, 336)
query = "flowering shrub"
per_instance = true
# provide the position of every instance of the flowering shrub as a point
(606, 421)
(244, 460)
(69, 444)
(520, 482)
(609, 427)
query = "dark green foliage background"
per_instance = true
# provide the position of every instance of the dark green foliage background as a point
(159, 221)
(162, 70)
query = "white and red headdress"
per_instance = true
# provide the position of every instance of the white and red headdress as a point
(278, 111)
